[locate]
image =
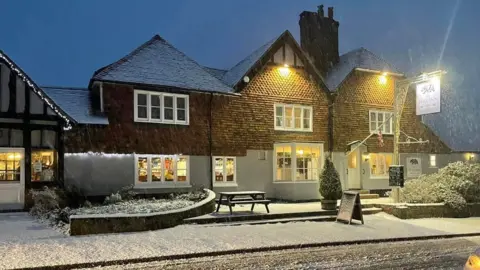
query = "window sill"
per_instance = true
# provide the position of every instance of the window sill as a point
(161, 122)
(379, 177)
(224, 184)
(293, 130)
(296, 182)
(162, 185)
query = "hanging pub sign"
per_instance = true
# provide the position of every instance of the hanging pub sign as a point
(428, 97)
(414, 167)
(396, 176)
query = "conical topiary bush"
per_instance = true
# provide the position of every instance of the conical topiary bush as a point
(330, 186)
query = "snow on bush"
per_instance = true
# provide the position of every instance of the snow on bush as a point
(330, 186)
(455, 185)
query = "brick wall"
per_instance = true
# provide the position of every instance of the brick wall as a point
(362, 92)
(239, 123)
(247, 122)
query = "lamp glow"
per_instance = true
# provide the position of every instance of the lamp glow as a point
(284, 71)
(382, 79)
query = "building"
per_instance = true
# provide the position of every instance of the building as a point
(158, 120)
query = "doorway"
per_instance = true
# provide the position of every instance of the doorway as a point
(12, 178)
(353, 170)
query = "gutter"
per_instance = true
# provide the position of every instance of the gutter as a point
(380, 72)
(210, 141)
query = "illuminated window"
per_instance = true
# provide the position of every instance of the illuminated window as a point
(153, 169)
(433, 161)
(293, 117)
(379, 164)
(377, 118)
(297, 162)
(43, 165)
(159, 107)
(10, 166)
(225, 170)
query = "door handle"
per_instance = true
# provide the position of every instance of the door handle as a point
(363, 171)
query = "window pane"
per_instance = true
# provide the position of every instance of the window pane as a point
(168, 102)
(156, 169)
(155, 101)
(388, 125)
(141, 112)
(298, 112)
(306, 118)
(181, 115)
(288, 117)
(142, 169)
(279, 110)
(373, 126)
(279, 121)
(142, 99)
(43, 165)
(373, 117)
(16, 139)
(180, 102)
(169, 172)
(4, 137)
(156, 114)
(230, 169)
(219, 169)
(182, 169)
(168, 114)
(36, 138)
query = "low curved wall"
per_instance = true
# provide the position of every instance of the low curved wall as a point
(95, 224)
(429, 210)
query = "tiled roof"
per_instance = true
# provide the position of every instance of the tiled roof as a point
(158, 63)
(235, 74)
(217, 73)
(359, 58)
(76, 103)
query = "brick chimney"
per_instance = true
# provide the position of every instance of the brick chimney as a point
(319, 38)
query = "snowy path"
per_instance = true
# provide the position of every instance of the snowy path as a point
(40, 246)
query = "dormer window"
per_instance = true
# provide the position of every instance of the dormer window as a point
(156, 107)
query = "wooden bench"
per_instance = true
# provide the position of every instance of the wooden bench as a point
(255, 197)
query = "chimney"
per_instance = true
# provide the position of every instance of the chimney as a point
(330, 13)
(319, 38)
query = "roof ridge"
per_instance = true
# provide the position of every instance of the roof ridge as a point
(122, 60)
(219, 69)
(64, 87)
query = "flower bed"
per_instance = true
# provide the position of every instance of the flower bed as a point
(55, 207)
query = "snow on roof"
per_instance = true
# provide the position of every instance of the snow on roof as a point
(235, 74)
(217, 73)
(158, 63)
(76, 103)
(359, 58)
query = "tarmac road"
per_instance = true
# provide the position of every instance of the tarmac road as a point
(431, 254)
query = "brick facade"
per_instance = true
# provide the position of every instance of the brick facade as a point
(362, 92)
(239, 123)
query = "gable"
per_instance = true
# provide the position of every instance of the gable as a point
(18, 93)
(285, 55)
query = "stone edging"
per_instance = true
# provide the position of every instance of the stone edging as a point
(429, 210)
(250, 250)
(118, 223)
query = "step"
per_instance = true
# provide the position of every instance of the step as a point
(280, 220)
(369, 196)
(267, 218)
(360, 191)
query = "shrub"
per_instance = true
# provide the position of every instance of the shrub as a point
(455, 185)
(330, 186)
(114, 198)
(127, 192)
(44, 201)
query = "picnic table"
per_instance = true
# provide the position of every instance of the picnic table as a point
(242, 197)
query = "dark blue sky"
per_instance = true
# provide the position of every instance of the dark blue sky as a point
(61, 42)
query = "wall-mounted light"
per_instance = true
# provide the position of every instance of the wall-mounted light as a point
(382, 79)
(470, 156)
(284, 71)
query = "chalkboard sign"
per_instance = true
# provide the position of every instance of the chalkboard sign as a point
(350, 207)
(396, 176)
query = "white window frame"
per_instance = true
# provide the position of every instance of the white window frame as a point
(384, 176)
(225, 182)
(293, 106)
(162, 119)
(294, 162)
(386, 115)
(434, 163)
(162, 183)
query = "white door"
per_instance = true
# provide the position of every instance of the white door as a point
(353, 170)
(12, 179)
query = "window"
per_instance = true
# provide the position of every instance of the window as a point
(43, 165)
(377, 118)
(433, 161)
(379, 164)
(293, 117)
(160, 107)
(225, 170)
(297, 162)
(10, 166)
(154, 169)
